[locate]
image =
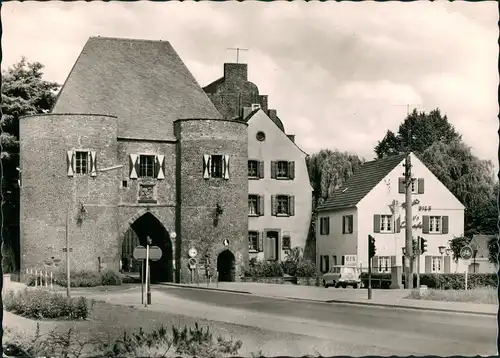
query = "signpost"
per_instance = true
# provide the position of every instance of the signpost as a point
(466, 253)
(146, 254)
(192, 266)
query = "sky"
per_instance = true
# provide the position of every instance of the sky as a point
(339, 74)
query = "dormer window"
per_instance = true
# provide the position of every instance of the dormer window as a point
(255, 106)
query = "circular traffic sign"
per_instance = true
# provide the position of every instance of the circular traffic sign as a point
(192, 252)
(466, 252)
(192, 261)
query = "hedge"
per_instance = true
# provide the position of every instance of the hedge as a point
(82, 278)
(265, 269)
(41, 304)
(454, 281)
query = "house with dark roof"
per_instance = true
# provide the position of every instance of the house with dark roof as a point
(134, 152)
(279, 190)
(372, 202)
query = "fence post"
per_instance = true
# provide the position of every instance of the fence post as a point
(51, 281)
(46, 281)
(36, 278)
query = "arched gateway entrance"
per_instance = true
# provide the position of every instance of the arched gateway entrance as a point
(226, 266)
(148, 225)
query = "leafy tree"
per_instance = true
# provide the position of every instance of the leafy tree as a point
(24, 92)
(456, 244)
(328, 170)
(470, 179)
(493, 250)
(417, 132)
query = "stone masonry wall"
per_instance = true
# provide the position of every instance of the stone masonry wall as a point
(48, 192)
(198, 197)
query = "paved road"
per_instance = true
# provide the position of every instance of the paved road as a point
(410, 331)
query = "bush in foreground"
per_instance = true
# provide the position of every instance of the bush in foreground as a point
(478, 295)
(40, 304)
(306, 268)
(161, 342)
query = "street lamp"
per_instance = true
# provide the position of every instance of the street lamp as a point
(448, 252)
(441, 250)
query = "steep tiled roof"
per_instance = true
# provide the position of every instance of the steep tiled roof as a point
(361, 183)
(139, 81)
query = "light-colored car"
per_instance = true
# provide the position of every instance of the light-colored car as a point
(342, 276)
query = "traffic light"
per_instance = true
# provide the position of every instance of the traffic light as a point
(423, 245)
(371, 246)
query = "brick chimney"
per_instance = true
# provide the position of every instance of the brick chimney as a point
(292, 137)
(236, 72)
(272, 114)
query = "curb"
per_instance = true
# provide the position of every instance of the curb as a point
(203, 288)
(388, 305)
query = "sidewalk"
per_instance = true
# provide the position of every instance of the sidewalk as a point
(381, 298)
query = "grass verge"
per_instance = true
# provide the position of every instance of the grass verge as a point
(487, 295)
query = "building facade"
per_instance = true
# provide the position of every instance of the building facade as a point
(372, 202)
(279, 190)
(134, 149)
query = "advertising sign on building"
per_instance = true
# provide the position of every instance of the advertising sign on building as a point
(351, 260)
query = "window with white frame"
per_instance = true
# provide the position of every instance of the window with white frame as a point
(146, 166)
(436, 264)
(81, 162)
(283, 205)
(253, 168)
(385, 223)
(435, 224)
(253, 201)
(253, 240)
(384, 263)
(282, 169)
(216, 169)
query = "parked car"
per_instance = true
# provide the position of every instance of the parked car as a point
(342, 276)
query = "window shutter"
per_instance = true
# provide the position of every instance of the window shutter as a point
(421, 187)
(93, 163)
(291, 205)
(273, 169)
(261, 205)
(401, 185)
(160, 166)
(376, 223)
(327, 220)
(321, 232)
(393, 262)
(69, 163)
(398, 225)
(260, 247)
(447, 264)
(327, 263)
(444, 225)
(133, 166)
(206, 166)
(274, 204)
(428, 264)
(343, 225)
(425, 224)
(375, 264)
(260, 169)
(291, 170)
(351, 224)
(321, 260)
(343, 260)
(226, 167)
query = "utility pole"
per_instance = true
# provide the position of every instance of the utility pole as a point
(408, 222)
(237, 49)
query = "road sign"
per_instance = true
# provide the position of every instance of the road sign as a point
(192, 263)
(225, 242)
(466, 252)
(192, 252)
(155, 253)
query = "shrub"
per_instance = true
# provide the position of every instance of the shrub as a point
(306, 268)
(265, 269)
(289, 268)
(456, 281)
(40, 304)
(479, 295)
(111, 278)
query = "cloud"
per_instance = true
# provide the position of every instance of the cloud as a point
(339, 74)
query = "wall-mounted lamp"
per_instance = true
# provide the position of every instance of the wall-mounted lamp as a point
(442, 249)
(448, 252)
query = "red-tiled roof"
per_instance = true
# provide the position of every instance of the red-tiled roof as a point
(363, 180)
(138, 81)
